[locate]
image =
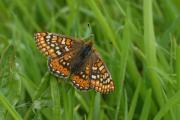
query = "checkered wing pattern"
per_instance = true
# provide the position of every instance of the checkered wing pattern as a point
(100, 78)
(53, 45)
(80, 78)
(68, 56)
(93, 75)
(59, 49)
(57, 67)
(61, 67)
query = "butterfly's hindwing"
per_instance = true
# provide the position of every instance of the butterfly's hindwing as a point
(100, 77)
(59, 67)
(80, 78)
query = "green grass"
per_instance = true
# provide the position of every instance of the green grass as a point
(138, 40)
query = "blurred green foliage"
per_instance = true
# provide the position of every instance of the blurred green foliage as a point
(138, 40)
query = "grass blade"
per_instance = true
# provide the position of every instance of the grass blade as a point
(55, 99)
(178, 66)
(172, 102)
(9, 107)
(146, 106)
(150, 51)
(124, 56)
(134, 102)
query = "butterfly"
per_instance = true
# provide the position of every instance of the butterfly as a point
(74, 58)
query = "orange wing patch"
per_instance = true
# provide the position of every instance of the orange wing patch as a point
(81, 79)
(100, 77)
(52, 45)
(60, 69)
(68, 41)
(102, 88)
(80, 83)
(41, 43)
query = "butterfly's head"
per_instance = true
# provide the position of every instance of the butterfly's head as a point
(89, 43)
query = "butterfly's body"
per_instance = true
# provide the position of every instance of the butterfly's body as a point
(76, 58)
(79, 60)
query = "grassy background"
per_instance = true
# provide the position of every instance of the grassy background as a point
(138, 40)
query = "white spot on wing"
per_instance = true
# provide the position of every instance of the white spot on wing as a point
(52, 45)
(108, 80)
(48, 36)
(66, 48)
(57, 48)
(93, 76)
(97, 76)
(37, 34)
(94, 68)
(58, 52)
(102, 66)
(63, 41)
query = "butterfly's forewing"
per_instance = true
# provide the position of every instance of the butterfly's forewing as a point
(53, 45)
(100, 77)
(60, 51)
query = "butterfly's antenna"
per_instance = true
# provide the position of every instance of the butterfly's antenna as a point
(90, 35)
(90, 31)
(89, 27)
